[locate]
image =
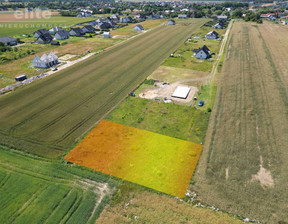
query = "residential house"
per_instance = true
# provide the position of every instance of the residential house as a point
(154, 16)
(44, 39)
(218, 26)
(76, 32)
(182, 16)
(93, 23)
(125, 20)
(46, 61)
(104, 26)
(202, 53)
(84, 13)
(10, 41)
(171, 22)
(54, 30)
(114, 17)
(138, 28)
(212, 35)
(140, 18)
(88, 29)
(40, 32)
(222, 17)
(61, 35)
(106, 35)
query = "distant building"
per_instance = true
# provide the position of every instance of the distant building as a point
(138, 28)
(76, 32)
(46, 61)
(140, 18)
(88, 29)
(202, 53)
(218, 26)
(61, 35)
(52, 31)
(104, 25)
(9, 41)
(114, 17)
(125, 20)
(212, 35)
(182, 16)
(155, 16)
(44, 39)
(222, 17)
(106, 35)
(40, 32)
(171, 22)
(85, 13)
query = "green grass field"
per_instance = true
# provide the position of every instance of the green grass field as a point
(35, 190)
(183, 122)
(184, 58)
(243, 167)
(29, 26)
(50, 115)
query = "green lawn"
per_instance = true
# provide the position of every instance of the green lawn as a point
(184, 58)
(35, 190)
(173, 120)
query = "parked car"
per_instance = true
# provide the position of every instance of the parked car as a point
(54, 69)
(201, 103)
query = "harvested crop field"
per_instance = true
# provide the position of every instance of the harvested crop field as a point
(146, 207)
(156, 161)
(50, 115)
(243, 168)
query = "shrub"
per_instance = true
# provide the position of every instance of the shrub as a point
(149, 82)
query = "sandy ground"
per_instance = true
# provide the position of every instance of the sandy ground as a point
(166, 91)
(67, 57)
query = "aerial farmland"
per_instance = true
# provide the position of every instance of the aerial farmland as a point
(138, 115)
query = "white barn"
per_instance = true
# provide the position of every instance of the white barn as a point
(46, 61)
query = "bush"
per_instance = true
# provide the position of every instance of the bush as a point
(209, 109)
(149, 82)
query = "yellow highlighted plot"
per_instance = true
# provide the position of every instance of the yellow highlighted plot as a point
(156, 161)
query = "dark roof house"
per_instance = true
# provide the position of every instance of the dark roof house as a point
(40, 32)
(44, 39)
(54, 30)
(88, 29)
(212, 35)
(125, 20)
(76, 32)
(138, 27)
(61, 35)
(104, 25)
(8, 41)
(171, 22)
(202, 52)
